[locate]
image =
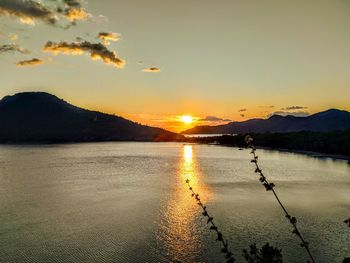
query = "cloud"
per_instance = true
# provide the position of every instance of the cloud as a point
(241, 110)
(293, 108)
(73, 3)
(292, 113)
(79, 39)
(152, 70)
(31, 11)
(73, 10)
(267, 106)
(108, 37)
(31, 62)
(74, 14)
(27, 11)
(96, 51)
(214, 119)
(242, 115)
(12, 48)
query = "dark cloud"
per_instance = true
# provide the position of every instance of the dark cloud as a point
(96, 51)
(12, 48)
(214, 119)
(107, 37)
(31, 11)
(31, 62)
(242, 115)
(293, 113)
(241, 110)
(294, 108)
(79, 39)
(73, 3)
(152, 70)
(27, 11)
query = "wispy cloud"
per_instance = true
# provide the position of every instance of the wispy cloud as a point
(107, 37)
(213, 119)
(30, 62)
(267, 106)
(13, 48)
(292, 113)
(298, 111)
(96, 51)
(242, 110)
(293, 108)
(152, 70)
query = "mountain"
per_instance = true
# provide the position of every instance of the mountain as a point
(330, 120)
(42, 117)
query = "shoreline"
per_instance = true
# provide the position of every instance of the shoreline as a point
(304, 152)
(310, 153)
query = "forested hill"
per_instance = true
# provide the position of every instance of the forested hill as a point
(42, 117)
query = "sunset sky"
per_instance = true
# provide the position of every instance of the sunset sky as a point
(214, 60)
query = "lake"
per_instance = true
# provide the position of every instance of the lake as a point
(128, 202)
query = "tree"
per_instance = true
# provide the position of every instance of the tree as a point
(267, 254)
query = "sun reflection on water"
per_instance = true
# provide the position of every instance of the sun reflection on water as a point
(188, 166)
(180, 231)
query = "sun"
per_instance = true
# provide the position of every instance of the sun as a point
(187, 119)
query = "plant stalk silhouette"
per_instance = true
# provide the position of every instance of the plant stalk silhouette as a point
(228, 254)
(270, 187)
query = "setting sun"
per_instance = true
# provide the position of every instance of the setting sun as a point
(187, 119)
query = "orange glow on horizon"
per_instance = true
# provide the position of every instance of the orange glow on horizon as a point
(181, 122)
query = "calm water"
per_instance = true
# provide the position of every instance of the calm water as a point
(128, 202)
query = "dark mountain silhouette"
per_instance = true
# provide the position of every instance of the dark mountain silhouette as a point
(330, 120)
(42, 117)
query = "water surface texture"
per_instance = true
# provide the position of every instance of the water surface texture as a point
(128, 202)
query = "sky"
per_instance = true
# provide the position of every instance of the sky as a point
(157, 60)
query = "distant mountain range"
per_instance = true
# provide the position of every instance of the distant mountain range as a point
(42, 117)
(329, 120)
(32, 117)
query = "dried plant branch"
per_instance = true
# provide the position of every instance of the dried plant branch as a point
(270, 187)
(228, 254)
